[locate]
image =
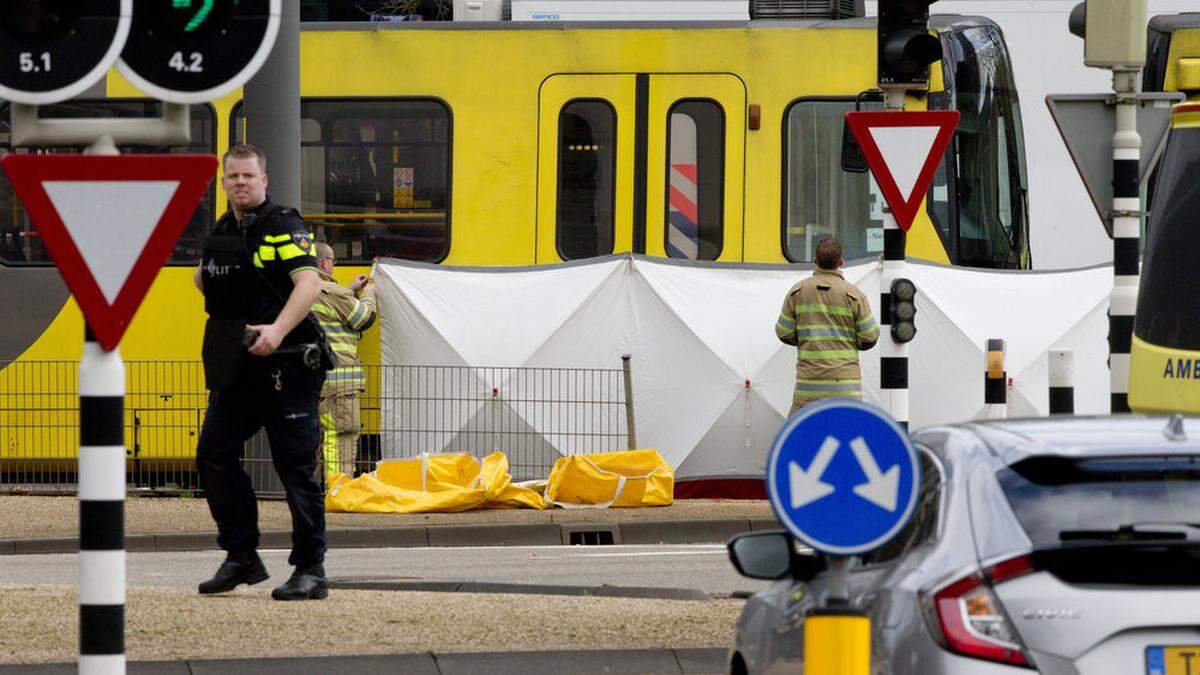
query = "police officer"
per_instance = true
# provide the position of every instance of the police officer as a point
(829, 321)
(259, 280)
(344, 313)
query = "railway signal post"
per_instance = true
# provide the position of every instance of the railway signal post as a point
(1114, 35)
(902, 150)
(110, 222)
(905, 50)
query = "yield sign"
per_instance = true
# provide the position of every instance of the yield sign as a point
(109, 222)
(903, 150)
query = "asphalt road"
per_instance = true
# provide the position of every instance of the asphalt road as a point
(700, 567)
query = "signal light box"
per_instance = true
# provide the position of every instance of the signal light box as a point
(193, 51)
(51, 51)
(905, 47)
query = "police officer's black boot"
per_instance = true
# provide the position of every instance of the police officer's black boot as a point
(238, 568)
(307, 583)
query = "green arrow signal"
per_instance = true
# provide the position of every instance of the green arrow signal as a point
(206, 8)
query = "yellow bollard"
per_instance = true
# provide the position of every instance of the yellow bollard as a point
(837, 641)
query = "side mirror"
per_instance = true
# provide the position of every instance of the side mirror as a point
(772, 555)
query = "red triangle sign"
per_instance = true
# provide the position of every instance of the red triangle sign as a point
(109, 223)
(903, 150)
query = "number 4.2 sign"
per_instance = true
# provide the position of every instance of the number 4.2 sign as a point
(194, 63)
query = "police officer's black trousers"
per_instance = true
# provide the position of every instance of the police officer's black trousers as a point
(290, 417)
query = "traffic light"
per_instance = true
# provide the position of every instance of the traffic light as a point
(1113, 32)
(52, 50)
(905, 46)
(193, 51)
(903, 310)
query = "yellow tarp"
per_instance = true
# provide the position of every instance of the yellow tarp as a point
(617, 479)
(459, 482)
(431, 483)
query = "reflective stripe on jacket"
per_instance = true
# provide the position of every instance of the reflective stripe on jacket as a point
(829, 321)
(344, 316)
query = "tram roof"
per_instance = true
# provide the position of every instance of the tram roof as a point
(940, 22)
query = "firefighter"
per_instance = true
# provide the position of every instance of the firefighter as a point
(829, 321)
(259, 278)
(344, 313)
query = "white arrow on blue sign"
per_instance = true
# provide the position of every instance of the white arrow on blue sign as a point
(843, 476)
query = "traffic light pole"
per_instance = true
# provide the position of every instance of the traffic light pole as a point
(1126, 230)
(1114, 38)
(101, 498)
(273, 109)
(170, 54)
(101, 463)
(893, 358)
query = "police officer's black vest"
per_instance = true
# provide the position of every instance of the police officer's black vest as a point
(234, 289)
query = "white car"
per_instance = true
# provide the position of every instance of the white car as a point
(1069, 546)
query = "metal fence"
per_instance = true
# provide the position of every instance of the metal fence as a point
(533, 415)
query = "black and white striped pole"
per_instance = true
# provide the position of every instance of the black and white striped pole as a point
(893, 357)
(1114, 38)
(93, 198)
(995, 382)
(101, 499)
(101, 510)
(1060, 367)
(902, 149)
(1126, 221)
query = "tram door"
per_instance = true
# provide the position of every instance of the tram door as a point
(650, 163)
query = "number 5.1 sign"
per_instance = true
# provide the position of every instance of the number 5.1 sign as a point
(53, 50)
(181, 51)
(192, 51)
(28, 65)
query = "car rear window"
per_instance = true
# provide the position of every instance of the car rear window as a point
(1055, 495)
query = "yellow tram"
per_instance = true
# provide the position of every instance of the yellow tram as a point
(526, 143)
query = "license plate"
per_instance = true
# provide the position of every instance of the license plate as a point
(1173, 660)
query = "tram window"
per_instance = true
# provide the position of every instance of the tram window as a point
(19, 241)
(695, 180)
(938, 202)
(978, 198)
(587, 159)
(819, 198)
(374, 176)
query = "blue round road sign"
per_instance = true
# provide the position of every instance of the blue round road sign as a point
(842, 476)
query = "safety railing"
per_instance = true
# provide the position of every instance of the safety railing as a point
(533, 415)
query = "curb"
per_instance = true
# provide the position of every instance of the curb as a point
(708, 531)
(688, 660)
(361, 584)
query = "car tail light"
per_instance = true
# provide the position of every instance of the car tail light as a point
(969, 617)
